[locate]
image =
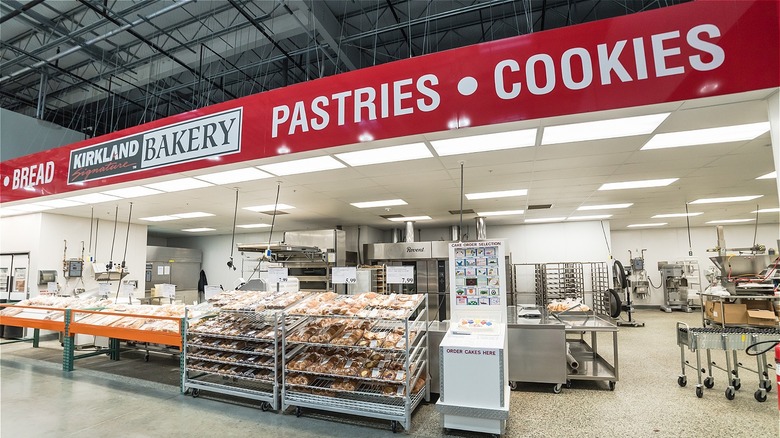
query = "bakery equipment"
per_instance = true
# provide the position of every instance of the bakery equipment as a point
(675, 286)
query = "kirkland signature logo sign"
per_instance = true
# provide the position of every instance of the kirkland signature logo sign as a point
(215, 134)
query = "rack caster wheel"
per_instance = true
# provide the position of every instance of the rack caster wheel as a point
(195, 393)
(568, 384)
(699, 392)
(682, 381)
(766, 385)
(730, 393)
(709, 382)
(611, 385)
(265, 406)
(146, 358)
(557, 389)
(298, 411)
(512, 385)
(394, 426)
(186, 391)
(760, 395)
(736, 384)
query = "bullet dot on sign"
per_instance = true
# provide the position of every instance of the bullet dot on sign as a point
(467, 86)
(6, 181)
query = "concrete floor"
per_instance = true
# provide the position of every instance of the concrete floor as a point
(133, 398)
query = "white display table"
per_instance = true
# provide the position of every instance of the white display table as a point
(474, 381)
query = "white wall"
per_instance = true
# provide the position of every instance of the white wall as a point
(671, 244)
(43, 236)
(23, 135)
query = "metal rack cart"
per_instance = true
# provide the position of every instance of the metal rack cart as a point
(592, 365)
(558, 281)
(728, 340)
(386, 388)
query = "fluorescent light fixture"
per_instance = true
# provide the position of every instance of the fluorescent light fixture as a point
(253, 226)
(234, 176)
(31, 208)
(93, 198)
(390, 154)
(59, 203)
(604, 206)
(668, 215)
(500, 213)
(544, 219)
(158, 218)
(198, 230)
(638, 184)
(589, 218)
(723, 134)
(133, 192)
(385, 203)
(304, 165)
(269, 208)
(770, 175)
(767, 210)
(730, 221)
(409, 218)
(486, 142)
(194, 214)
(601, 129)
(500, 194)
(178, 185)
(655, 224)
(727, 199)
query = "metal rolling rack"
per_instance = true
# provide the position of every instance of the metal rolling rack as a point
(369, 398)
(244, 362)
(728, 340)
(558, 281)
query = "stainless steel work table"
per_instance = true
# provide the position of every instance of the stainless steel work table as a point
(593, 366)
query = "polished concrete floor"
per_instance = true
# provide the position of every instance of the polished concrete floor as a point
(134, 398)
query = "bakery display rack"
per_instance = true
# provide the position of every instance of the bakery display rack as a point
(362, 355)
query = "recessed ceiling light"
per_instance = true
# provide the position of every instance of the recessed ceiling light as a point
(500, 213)
(158, 218)
(198, 230)
(234, 176)
(59, 203)
(589, 218)
(93, 198)
(667, 215)
(409, 218)
(500, 194)
(304, 165)
(486, 142)
(730, 221)
(767, 210)
(31, 208)
(604, 206)
(601, 129)
(770, 175)
(132, 192)
(723, 134)
(385, 203)
(544, 219)
(253, 226)
(177, 185)
(727, 199)
(656, 224)
(638, 184)
(269, 207)
(194, 214)
(386, 155)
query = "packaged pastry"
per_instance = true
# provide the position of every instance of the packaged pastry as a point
(344, 385)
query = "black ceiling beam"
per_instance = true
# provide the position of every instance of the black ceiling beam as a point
(153, 45)
(19, 10)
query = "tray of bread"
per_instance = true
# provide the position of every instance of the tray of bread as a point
(232, 370)
(352, 364)
(352, 333)
(334, 386)
(568, 305)
(365, 305)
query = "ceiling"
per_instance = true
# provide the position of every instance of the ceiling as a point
(566, 175)
(100, 66)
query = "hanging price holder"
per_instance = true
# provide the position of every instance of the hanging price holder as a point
(400, 274)
(344, 275)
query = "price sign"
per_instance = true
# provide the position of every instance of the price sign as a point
(127, 289)
(344, 275)
(400, 274)
(277, 275)
(104, 289)
(168, 290)
(51, 287)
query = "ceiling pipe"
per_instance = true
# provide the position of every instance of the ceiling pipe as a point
(395, 235)
(94, 40)
(409, 231)
(481, 228)
(454, 233)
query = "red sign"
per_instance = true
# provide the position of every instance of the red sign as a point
(689, 51)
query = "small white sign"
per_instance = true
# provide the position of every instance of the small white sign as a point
(127, 289)
(344, 275)
(277, 275)
(167, 270)
(400, 275)
(210, 291)
(52, 287)
(160, 270)
(105, 289)
(168, 290)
